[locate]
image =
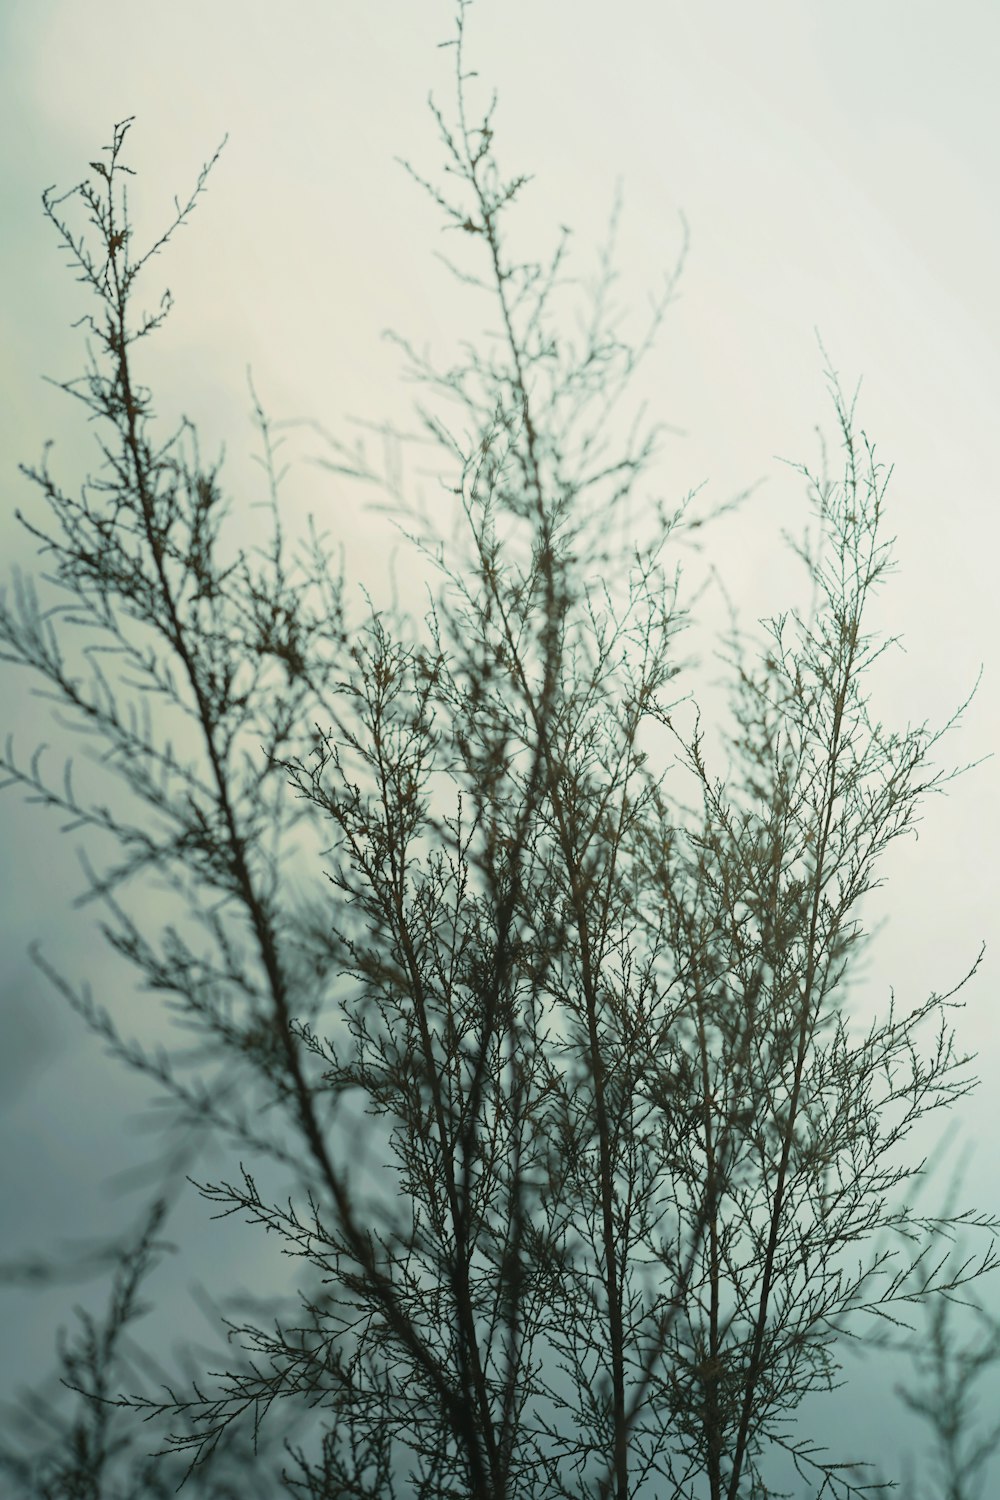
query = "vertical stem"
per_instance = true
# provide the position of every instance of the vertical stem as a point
(460, 1419)
(713, 1433)
(806, 1009)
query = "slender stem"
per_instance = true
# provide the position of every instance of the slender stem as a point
(460, 1418)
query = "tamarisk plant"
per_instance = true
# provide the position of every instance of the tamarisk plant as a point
(949, 1370)
(640, 1169)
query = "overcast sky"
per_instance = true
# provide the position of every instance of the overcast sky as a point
(836, 165)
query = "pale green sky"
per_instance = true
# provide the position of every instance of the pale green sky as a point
(837, 165)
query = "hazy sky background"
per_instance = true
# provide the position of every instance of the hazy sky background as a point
(837, 167)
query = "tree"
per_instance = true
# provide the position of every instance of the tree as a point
(584, 966)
